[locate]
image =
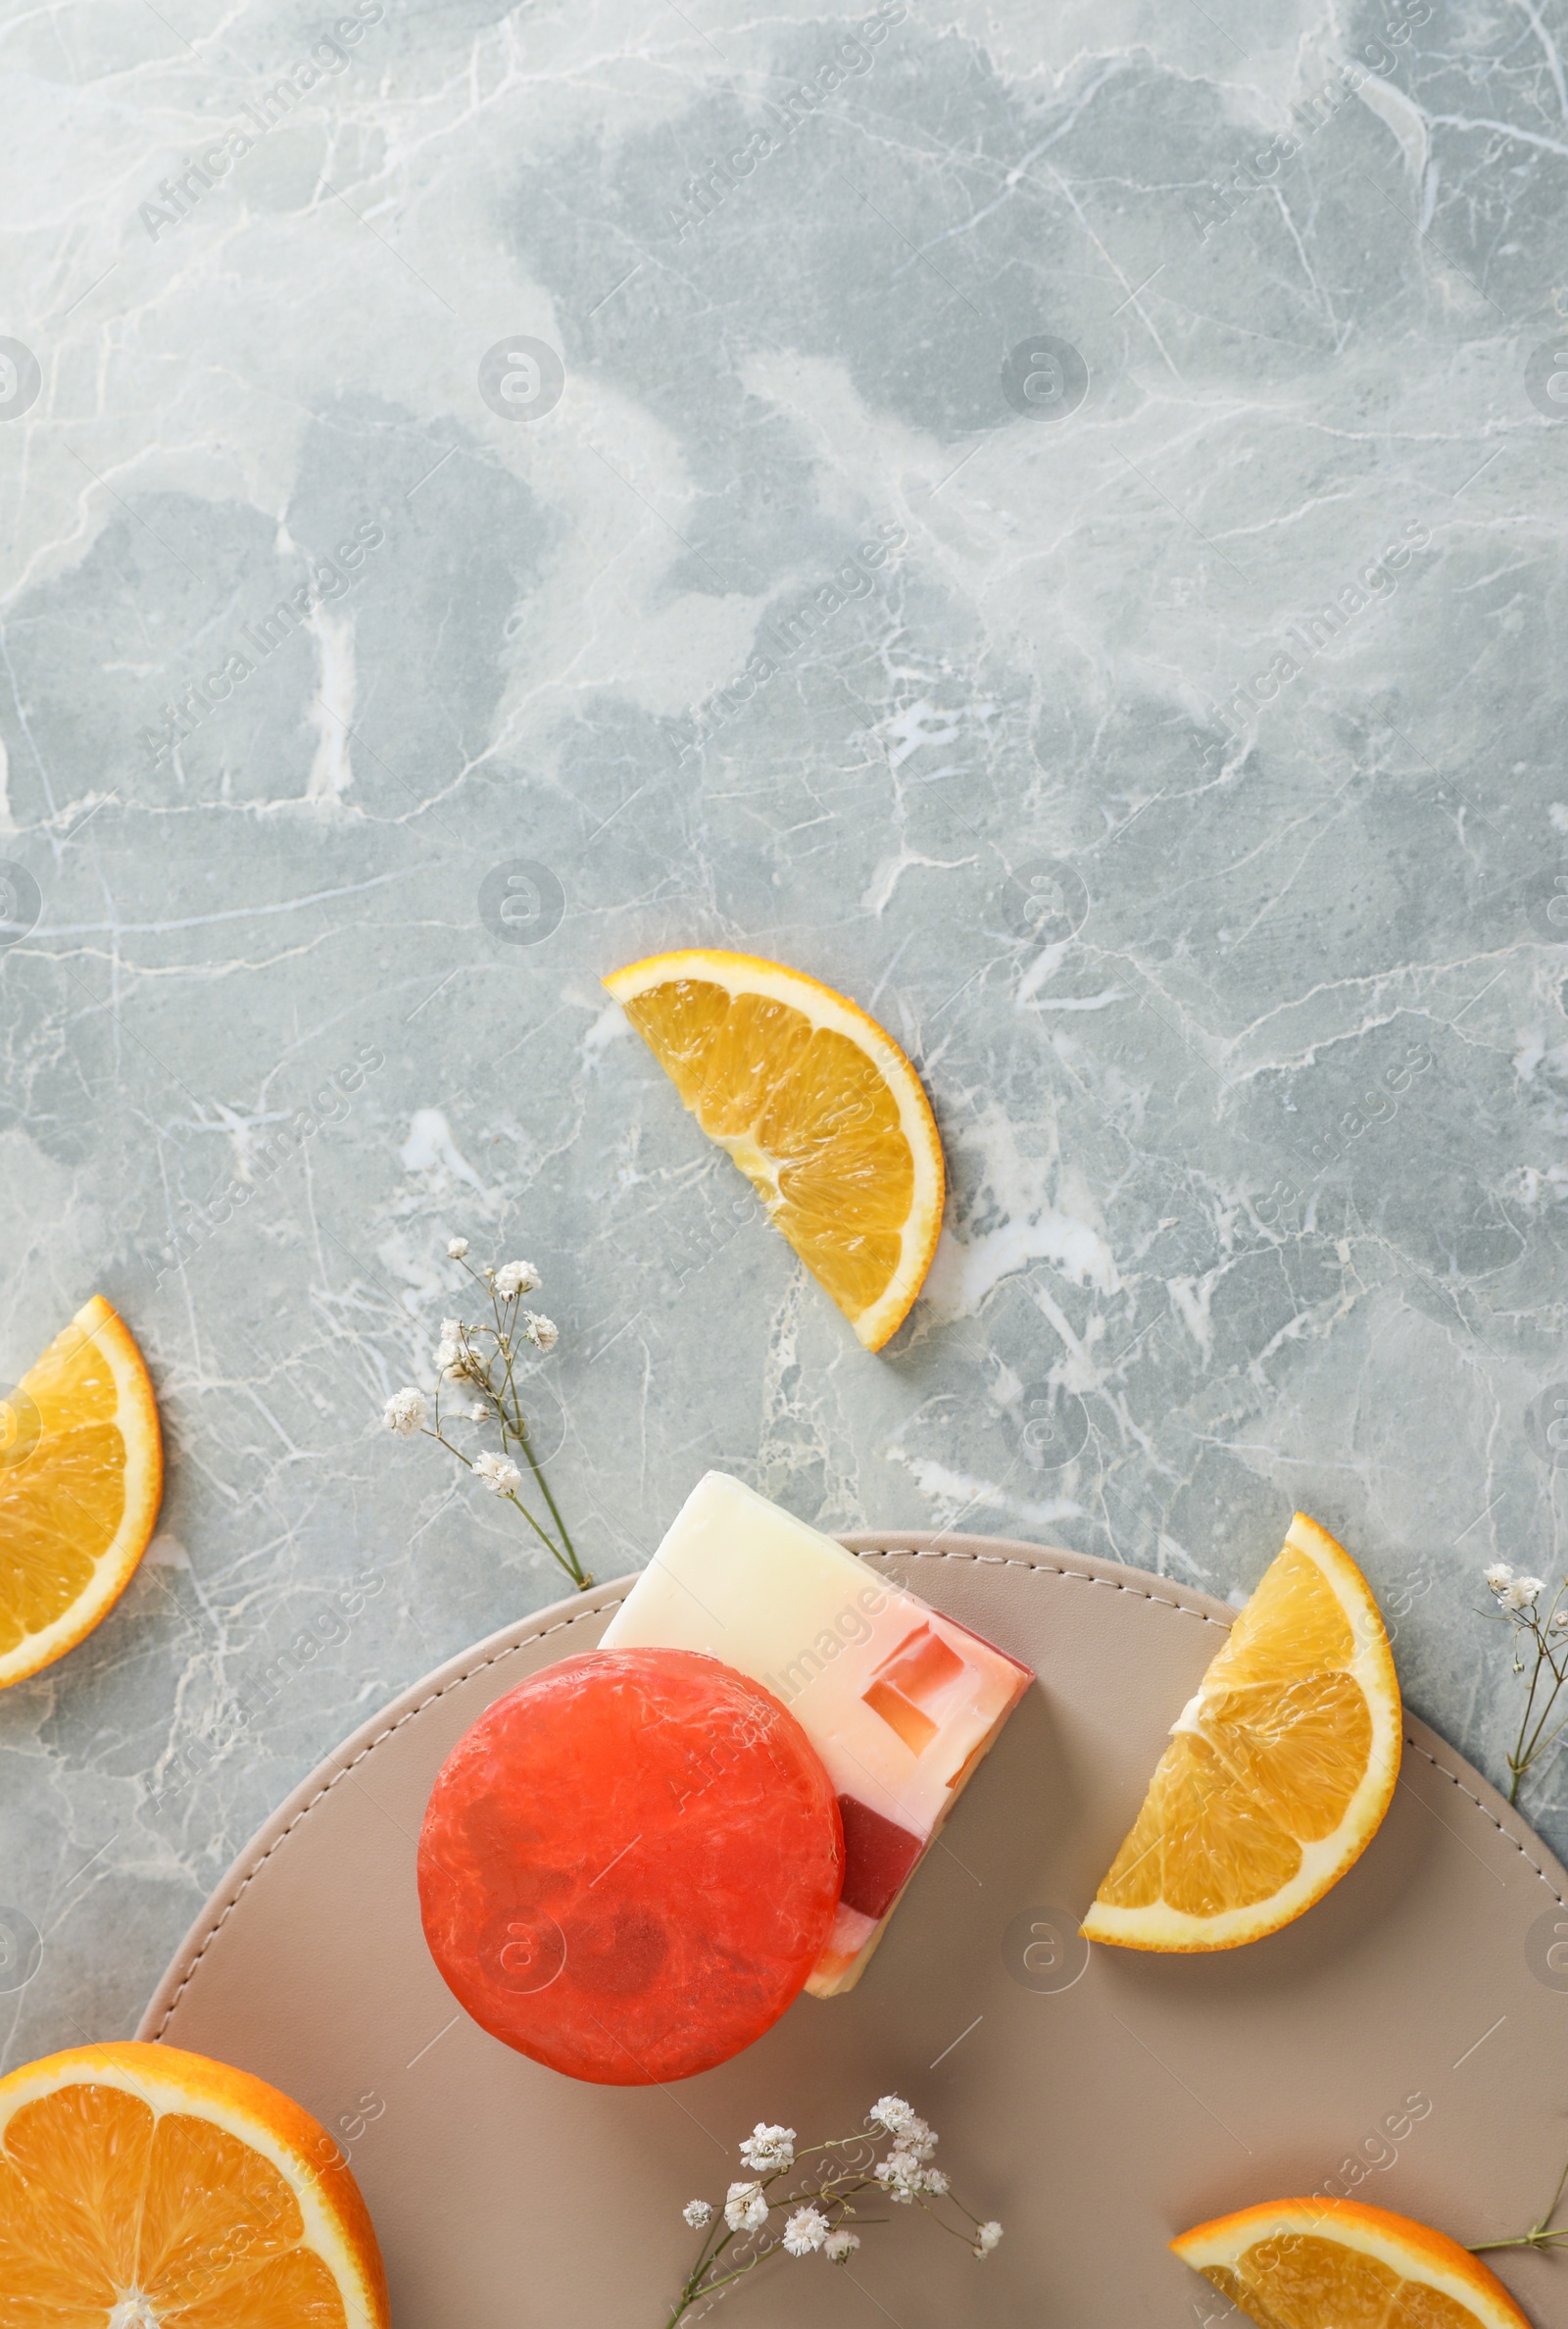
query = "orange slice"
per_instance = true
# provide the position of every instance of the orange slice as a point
(1279, 1770)
(81, 1474)
(143, 2187)
(1339, 2265)
(818, 1107)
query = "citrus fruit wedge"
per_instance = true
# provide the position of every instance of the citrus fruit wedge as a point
(1279, 1769)
(818, 1107)
(81, 1474)
(144, 2188)
(1339, 2265)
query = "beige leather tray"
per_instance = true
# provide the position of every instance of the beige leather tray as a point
(1415, 2021)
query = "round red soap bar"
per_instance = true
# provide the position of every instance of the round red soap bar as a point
(630, 1864)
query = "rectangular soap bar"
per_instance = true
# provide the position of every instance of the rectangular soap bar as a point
(900, 1701)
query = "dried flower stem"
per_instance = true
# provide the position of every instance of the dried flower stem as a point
(1518, 1604)
(464, 1358)
(1539, 2236)
(822, 2202)
(513, 1425)
(567, 1557)
(834, 2192)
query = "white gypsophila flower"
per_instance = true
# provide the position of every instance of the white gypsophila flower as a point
(1561, 1620)
(457, 1247)
(1522, 1591)
(768, 2149)
(841, 2244)
(451, 1330)
(543, 1333)
(448, 1361)
(1499, 1575)
(478, 1412)
(699, 2213)
(918, 2138)
(404, 1411)
(892, 2112)
(516, 1277)
(498, 1472)
(805, 2230)
(901, 2176)
(745, 2207)
(987, 2238)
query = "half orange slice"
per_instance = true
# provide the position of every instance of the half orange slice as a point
(1279, 1770)
(817, 1105)
(1339, 2265)
(145, 2188)
(82, 1476)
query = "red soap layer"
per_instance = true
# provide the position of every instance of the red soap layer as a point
(878, 1855)
(630, 1864)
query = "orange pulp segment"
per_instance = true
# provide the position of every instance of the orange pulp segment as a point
(1279, 1770)
(82, 1476)
(817, 1105)
(1338, 2265)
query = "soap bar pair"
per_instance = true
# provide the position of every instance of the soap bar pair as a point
(633, 1862)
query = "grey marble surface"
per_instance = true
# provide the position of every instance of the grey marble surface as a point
(1181, 781)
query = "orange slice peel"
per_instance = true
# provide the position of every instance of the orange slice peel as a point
(143, 2187)
(1338, 2265)
(817, 1105)
(81, 1476)
(1279, 1770)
